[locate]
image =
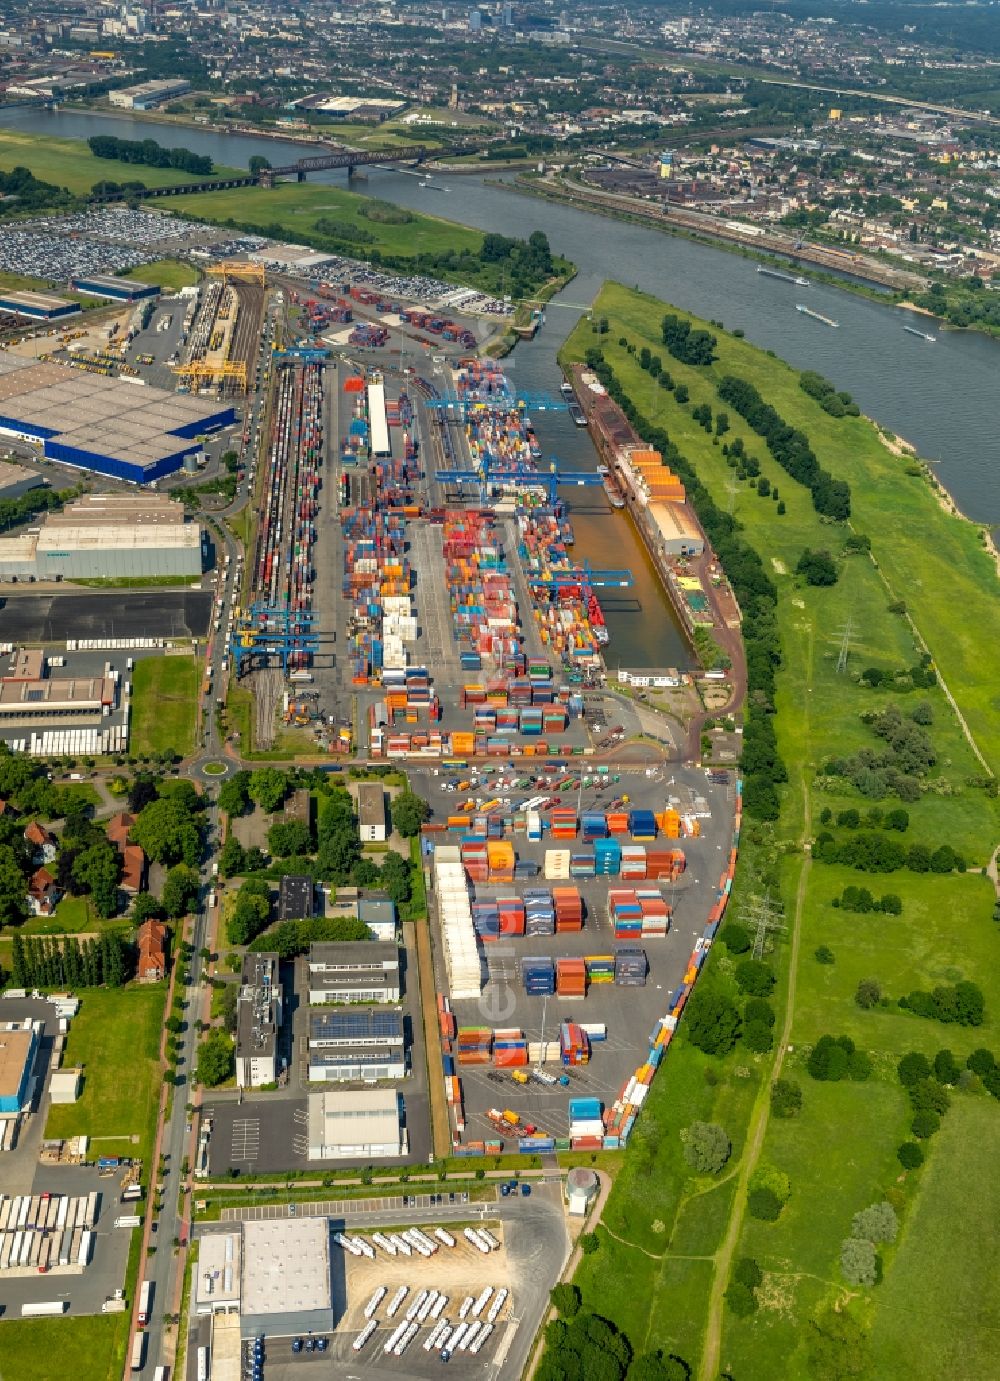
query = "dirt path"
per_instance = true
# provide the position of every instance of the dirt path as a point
(757, 1129)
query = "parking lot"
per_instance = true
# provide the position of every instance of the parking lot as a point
(53, 616)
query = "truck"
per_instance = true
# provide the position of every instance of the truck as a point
(138, 1352)
(145, 1301)
(43, 1307)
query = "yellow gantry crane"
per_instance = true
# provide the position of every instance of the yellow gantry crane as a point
(230, 269)
(214, 372)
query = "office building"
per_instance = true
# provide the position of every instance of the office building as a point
(353, 971)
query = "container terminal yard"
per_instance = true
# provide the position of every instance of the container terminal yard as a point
(410, 591)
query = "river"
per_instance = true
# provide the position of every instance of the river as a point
(942, 397)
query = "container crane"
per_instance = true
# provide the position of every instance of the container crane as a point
(267, 632)
(492, 476)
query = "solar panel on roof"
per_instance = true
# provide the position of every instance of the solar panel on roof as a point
(357, 1025)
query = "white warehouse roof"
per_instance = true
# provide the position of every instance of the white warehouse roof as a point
(286, 1266)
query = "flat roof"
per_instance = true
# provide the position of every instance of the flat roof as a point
(219, 1259)
(297, 897)
(35, 302)
(16, 474)
(15, 1048)
(110, 280)
(674, 520)
(74, 693)
(371, 803)
(286, 1266)
(357, 1026)
(358, 1117)
(354, 954)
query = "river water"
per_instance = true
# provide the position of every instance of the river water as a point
(942, 397)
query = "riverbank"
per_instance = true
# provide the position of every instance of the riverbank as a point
(924, 588)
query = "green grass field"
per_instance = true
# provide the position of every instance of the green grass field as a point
(115, 1037)
(92, 1348)
(840, 1154)
(169, 274)
(164, 699)
(69, 163)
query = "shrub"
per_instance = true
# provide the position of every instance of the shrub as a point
(764, 1204)
(818, 567)
(868, 994)
(706, 1147)
(859, 1066)
(858, 1261)
(786, 1098)
(910, 1155)
(824, 955)
(876, 1223)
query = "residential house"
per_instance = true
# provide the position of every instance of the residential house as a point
(43, 842)
(132, 856)
(118, 829)
(43, 893)
(152, 942)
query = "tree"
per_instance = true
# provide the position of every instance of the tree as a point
(168, 833)
(216, 1060)
(786, 1098)
(408, 811)
(232, 859)
(706, 1147)
(395, 877)
(748, 1272)
(712, 1022)
(754, 976)
(146, 907)
(946, 1067)
(868, 993)
(836, 1346)
(913, 1067)
(818, 567)
(769, 1177)
(757, 1037)
(910, 1156)
(589, 1243)
(741, 1301)
(925, 1123)
(757, 1009)
(858, 1261)
(653, 1366)
(234, 794)
(829, 1060)
(876, 1223)
(268, 788)
(12, 890)
(180, 890)
(98, 869)
(288, 837)
(764, 1204)
(824, 955)
(566, 1299)
(981, 1062)
(251, 912)
(258, 163)
(736, 937)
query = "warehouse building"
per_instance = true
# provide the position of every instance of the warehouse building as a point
(218, 1274)
(113, 426)
(117, 289)
(258, 1020)
(364, 1124)
(149, 95)
(371, 812)
(37, 306)
(287, 1286)
(18, 1044)
(296, 898)
(360, 1044)
(80, 699)
(100, 536)
(353, 971)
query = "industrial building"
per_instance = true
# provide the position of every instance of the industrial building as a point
(100, 536)
(371, 812)
(360, 1044)
(18, 1044)
(362, 1124)
(258, 1020)
(37, 306)
(353, 971)
(149, 95)
(113, 426)
(287, 1287)
(218, 1275)
(15, 480)
(117, 289)
(64, 1085)
(81, 699)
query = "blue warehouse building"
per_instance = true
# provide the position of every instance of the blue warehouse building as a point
(118, 289)
(109, 426)
(37, 306)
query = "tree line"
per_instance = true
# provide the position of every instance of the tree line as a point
(40, 962)
(150, 154)
(790, 447)
(762, 766)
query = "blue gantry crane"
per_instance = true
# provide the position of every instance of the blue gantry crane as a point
(491, 475)
(449, 405)
(580, 574)
(300, 354)
(266, 633)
